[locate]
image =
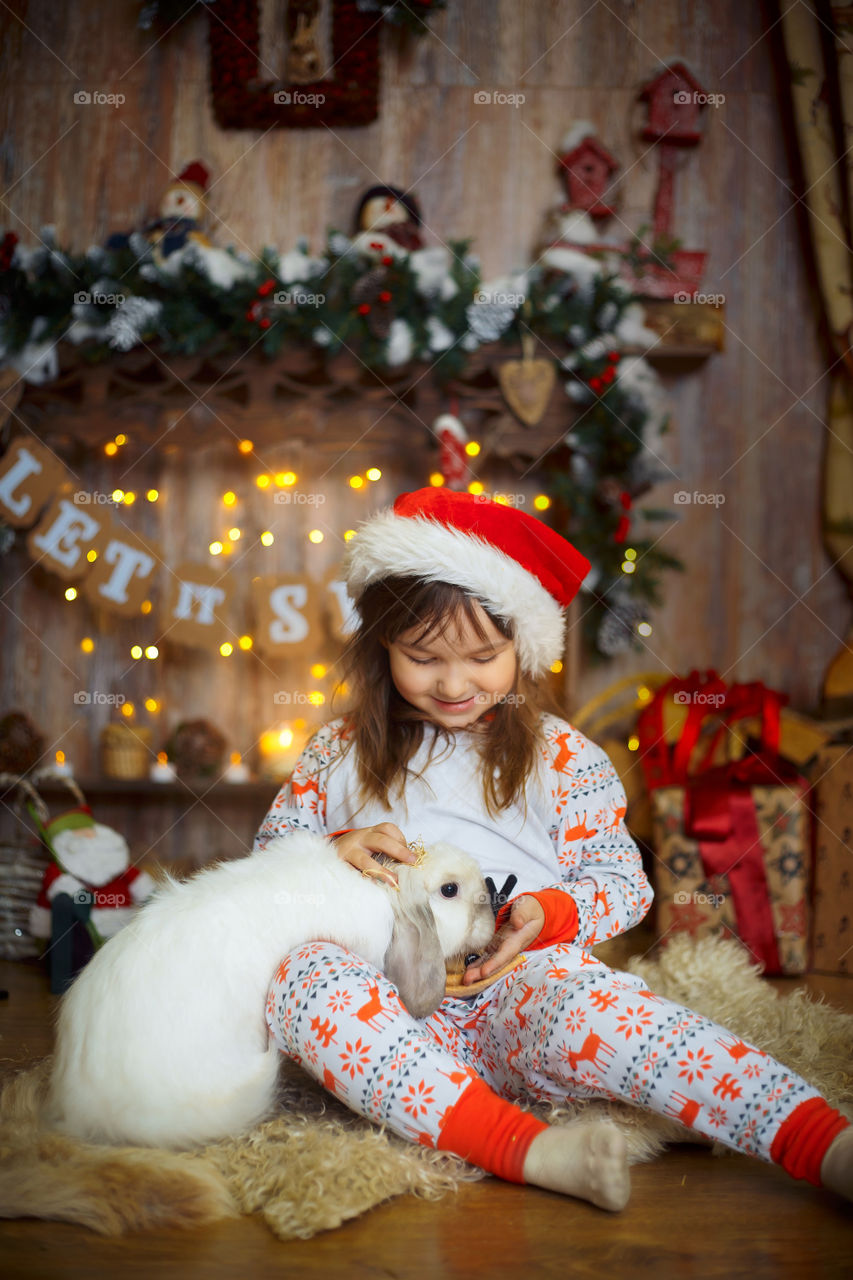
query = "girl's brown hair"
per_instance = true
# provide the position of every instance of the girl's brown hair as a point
(387, 731)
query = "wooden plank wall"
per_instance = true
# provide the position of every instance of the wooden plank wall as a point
(759, 598)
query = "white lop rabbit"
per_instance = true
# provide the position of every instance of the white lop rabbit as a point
(162, 1038)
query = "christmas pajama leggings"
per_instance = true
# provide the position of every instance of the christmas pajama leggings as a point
(562, 1025)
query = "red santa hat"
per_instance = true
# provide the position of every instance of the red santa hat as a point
(518, 568)
(195, 175)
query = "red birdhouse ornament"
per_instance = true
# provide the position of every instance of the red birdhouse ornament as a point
(586, 169)
(675, 98)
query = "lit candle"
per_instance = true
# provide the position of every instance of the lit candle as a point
(280, 748)
(162, 770)
(237, 771)
(61, 768)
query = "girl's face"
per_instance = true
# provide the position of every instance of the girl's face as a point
(457, 676)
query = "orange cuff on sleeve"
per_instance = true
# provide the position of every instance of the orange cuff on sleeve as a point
(561, 917)
(489, 1132)
(805, 1137)
(342, 832)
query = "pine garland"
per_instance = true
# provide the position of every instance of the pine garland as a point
(429, 306)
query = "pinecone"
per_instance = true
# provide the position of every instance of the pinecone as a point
(368, 291)
(21, 744)
(618, 626)
(197, 749)
(488, 320)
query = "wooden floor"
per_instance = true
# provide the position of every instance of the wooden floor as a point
(690, 1214)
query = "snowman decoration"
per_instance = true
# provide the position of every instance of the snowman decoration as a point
(182, 213)
(388, 223)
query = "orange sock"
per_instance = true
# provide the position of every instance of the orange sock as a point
(490, 1132)
(804, 1138)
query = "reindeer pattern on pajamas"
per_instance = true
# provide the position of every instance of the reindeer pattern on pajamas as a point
(562, 1024)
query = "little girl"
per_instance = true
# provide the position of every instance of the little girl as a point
(461, 603)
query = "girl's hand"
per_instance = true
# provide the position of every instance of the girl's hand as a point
(523, 927)
(356, 848)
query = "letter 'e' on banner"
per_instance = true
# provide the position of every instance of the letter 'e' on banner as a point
(197, 607)
(65, 536)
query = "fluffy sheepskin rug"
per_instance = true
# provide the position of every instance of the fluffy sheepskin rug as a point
(315, 1165)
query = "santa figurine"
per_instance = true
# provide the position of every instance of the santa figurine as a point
(182, 213)
(89, 891)
(387, 223)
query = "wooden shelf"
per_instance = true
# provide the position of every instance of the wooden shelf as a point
(137, 788)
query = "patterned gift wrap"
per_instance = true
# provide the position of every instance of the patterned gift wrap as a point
(688, 899)
(833, 874)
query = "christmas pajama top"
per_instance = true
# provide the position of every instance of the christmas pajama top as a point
(561, 1024)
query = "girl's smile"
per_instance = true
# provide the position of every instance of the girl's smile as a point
(456, 676)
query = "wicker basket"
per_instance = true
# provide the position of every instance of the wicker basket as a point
(125, 751)
(22, 867)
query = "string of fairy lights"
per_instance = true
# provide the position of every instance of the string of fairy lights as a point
(284, 738)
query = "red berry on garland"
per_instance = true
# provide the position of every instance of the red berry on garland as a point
(608, 374)
(596, 384)
(384, 296)
(387, 261)
(625, 499)
(622, 529)
(265, 322)
(7, 250)
(364, 309)
(252, 312)
(613, 356)
(266, 287)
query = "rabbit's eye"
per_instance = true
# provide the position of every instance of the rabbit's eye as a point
(449, 890)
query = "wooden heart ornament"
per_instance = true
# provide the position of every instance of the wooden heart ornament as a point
(527, 385)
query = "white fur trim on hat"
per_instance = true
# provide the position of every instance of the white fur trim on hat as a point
(412, 546)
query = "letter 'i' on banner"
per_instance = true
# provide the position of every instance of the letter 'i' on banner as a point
(198, 599)
(29, 477)
(121, 577)
(287, 617)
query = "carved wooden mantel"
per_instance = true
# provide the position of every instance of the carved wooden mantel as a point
(329, 403)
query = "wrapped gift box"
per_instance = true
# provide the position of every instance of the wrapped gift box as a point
(833, 872)
(750, 883)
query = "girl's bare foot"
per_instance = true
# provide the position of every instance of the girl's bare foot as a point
(589, 1161)
(836, 1170)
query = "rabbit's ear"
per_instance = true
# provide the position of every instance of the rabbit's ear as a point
(414, 961)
